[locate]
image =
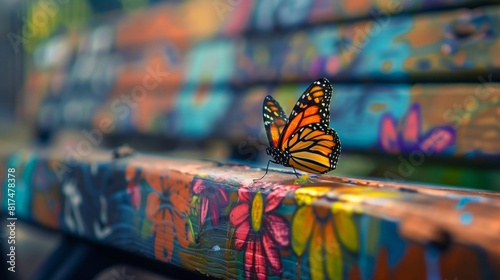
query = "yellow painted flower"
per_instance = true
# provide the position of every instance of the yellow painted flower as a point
(323, 222)
(315, 228)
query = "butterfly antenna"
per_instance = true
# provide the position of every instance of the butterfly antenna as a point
(267, 169)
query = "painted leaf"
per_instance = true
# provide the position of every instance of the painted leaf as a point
(316, 253)
(333, 255)
(302, 226)
(347, 230)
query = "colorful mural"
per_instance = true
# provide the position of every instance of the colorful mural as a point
(214, 219)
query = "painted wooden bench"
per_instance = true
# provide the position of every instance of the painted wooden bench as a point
(214, 220)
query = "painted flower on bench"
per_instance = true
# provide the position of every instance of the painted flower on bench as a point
(167, 207)
(260, 231)
(408, 137)
(213, 197)
(314, 224)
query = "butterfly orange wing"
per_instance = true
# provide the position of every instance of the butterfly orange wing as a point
(313, 107)
(314, 146)
(314, 149)
(274, 120)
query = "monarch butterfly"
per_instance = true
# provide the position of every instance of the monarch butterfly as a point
(304, 141)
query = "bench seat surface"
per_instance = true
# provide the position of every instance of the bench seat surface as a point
(214, 219)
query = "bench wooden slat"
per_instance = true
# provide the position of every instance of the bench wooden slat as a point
(212, 218)
(180, 22)
(468, 111)
(398, 48)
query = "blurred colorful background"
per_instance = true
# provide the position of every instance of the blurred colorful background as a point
(416, 97)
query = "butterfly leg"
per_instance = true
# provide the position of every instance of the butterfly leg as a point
(267, 169)
(295, 171)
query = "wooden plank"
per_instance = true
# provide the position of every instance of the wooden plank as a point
(214, 219)
(385, 47)
(459, 118)
(199, 20)
(442, 46)
(367, 117)
(278, 15)
(422, 47)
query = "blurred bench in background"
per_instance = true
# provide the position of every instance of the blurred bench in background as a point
(193, 75)
(415, 98)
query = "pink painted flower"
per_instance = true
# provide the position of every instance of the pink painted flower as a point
(407, 136)
(213, 197)
(260, 231)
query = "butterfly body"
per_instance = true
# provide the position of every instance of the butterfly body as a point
(304, 141)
